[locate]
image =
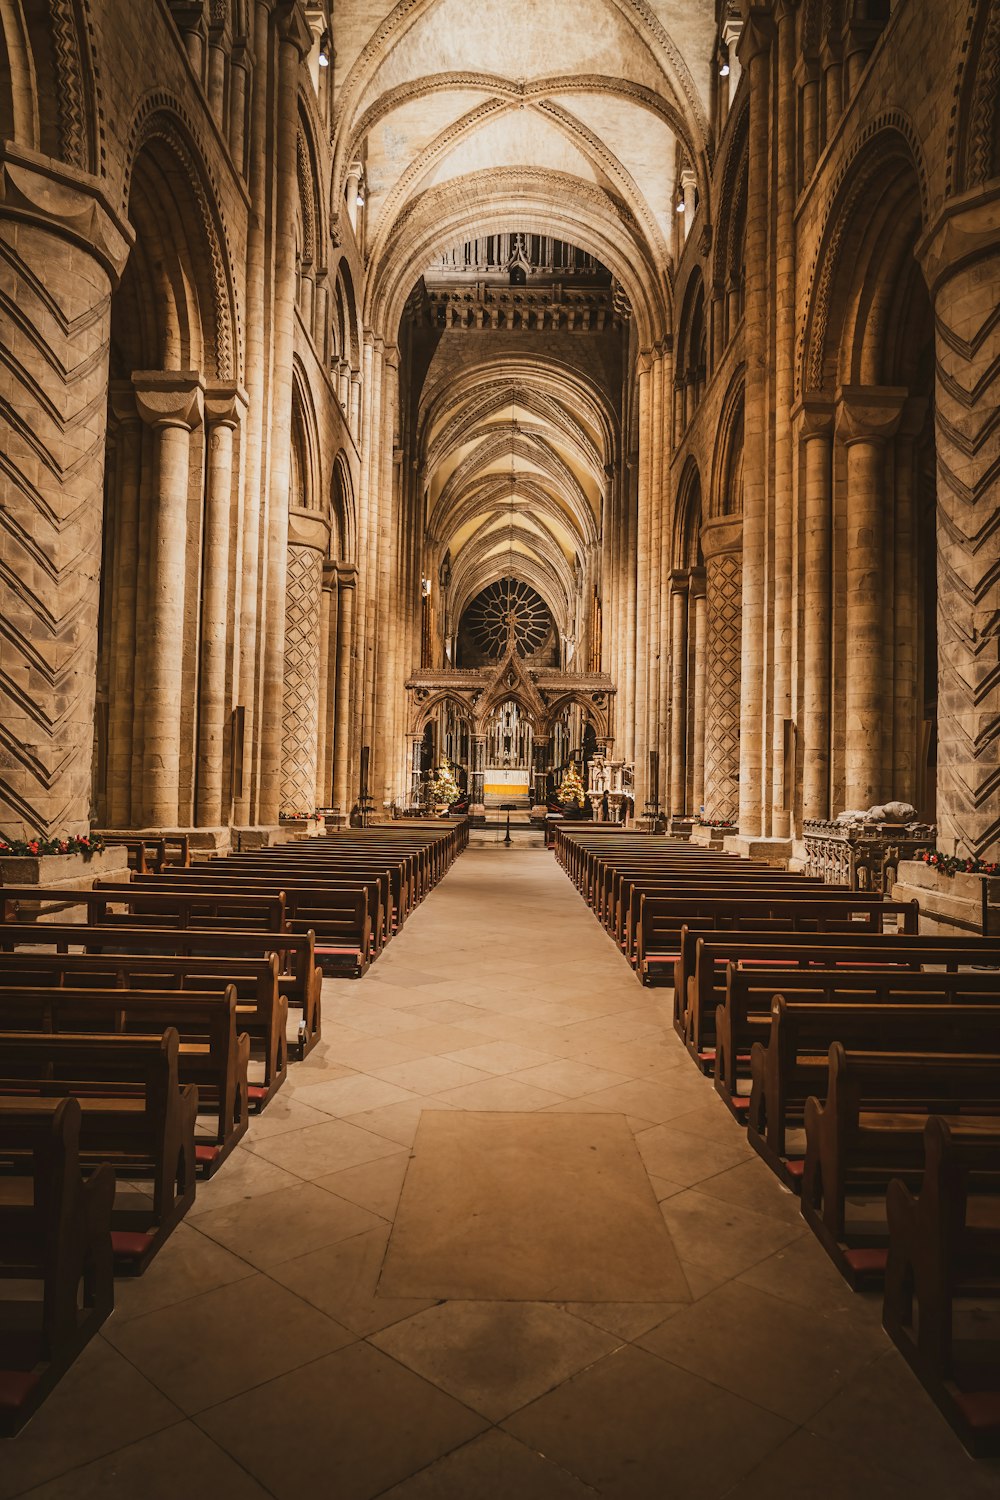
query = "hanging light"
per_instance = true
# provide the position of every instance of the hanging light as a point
(681, 205)
(325, 48)
(724, 64)
(360, 199)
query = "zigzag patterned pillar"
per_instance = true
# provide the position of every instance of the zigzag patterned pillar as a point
(62, 250)
(961, 257)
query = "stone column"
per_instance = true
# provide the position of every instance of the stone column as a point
(831, 63)
(124, 583)
(329, 625)
(308, 540)
(64, 248)
(722, 549)
(678, 716)
(645, 379)
(478, 790)
(808, 76)
(961, 259)
(698, 624)
(866, 418)
(171, 403)
(346, 667)
(815, 425)
(295, 44)
(754, 50)
(224, 409)
(782, 505)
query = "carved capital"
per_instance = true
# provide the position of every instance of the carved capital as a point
(293, 28)
(347, 576)
(966, 229)
(308, 528)
(721, 534)
(226, 404)
(66, 202)
(813, 416)
(169, 398)
(122, 402)
(756, 37)
(869, 413)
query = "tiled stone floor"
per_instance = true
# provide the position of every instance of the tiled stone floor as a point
(256, 1357)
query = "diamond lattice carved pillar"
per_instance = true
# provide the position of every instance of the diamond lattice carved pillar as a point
(64, 249)
(722, 549)
(961, 259)
(867, 417)
(308, 539)
(171, 403)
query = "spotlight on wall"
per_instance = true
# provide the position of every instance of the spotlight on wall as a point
(681, 205)
(325, 48)
(360, 199)
(426, 587)
(724, 69)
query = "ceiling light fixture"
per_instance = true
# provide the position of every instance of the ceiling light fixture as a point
(681, 205)
(325, 48)
(724, 64)
(360, 199)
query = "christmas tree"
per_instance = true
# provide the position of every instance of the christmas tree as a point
(443, 786)
(571, 793)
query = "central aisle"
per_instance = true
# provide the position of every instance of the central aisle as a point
(278, 1345)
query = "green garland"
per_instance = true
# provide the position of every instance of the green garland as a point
(956, 864)
(32, 848)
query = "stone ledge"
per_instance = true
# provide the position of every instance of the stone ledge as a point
(950, 904)
(73, 872)
(776, 852)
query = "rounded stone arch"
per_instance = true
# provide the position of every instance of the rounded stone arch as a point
(501, 694)
(343, 527)
(599, 716)
(305, 487)
(726, 489)
(874, 220)
(688, 518)
(50, 96)
(425, 712)
(545, 202)
(348, 316)
(180, 274)
(975, 133)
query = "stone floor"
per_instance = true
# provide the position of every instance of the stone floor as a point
(258, 1356)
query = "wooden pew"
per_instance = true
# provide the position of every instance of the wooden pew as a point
(817, 963)
(160, 908)
(663, 953)
(870, 1130)
(349, 919)
(300, 981)
(213, 1056)
(261, 1010)
(134, 1114)
(900, 1011)
(55, 1236)
(748, 885)
(944, 1248)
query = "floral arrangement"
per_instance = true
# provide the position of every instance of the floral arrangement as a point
(956, 864)
(299, 817)
(86, 844)
(716, 822)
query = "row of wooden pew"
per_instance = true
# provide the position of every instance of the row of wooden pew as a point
(137, 1043)
(863, 1060)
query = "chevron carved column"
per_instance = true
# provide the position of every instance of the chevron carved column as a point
(961, 257)
(308, 540)
(62, 250)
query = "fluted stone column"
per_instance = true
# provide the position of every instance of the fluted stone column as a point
(346, 668)
(698, 615)
(224, 409)
(64, 248)
(124, 583)
(754, 50)
(722, 549)
(961, 259)
(814, 417)
(308, 539)
(678, 716)
(866, 418)
(170, 402)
